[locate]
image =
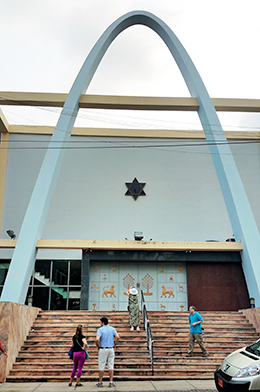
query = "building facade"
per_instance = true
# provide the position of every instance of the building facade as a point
(176, 199)
(159, 188)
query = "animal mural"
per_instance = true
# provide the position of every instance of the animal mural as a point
(108, 289)
(114, 268)
(165, 291)
(111, 291)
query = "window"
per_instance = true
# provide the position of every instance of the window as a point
(54, 285)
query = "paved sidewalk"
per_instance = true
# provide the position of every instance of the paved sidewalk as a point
(121, 386)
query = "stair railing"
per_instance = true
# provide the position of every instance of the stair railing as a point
(59, 277)
(148, 330)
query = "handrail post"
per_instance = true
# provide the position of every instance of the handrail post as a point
(148, 330)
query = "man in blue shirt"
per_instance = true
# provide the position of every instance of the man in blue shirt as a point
(195, 321)
(106, 340)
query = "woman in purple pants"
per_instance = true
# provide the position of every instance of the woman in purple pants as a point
(79, 355)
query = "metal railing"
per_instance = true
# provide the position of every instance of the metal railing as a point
(148, 330)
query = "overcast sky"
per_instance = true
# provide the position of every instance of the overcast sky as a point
(45, 42)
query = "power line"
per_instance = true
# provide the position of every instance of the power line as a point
(125, 144)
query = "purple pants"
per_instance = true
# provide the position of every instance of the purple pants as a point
(78, 361)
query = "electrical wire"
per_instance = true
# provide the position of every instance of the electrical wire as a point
(127, 145)
(122, 144)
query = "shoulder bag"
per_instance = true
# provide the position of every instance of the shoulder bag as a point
(87, 354)
(70, 353)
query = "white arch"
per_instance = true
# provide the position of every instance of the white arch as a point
(238, 207)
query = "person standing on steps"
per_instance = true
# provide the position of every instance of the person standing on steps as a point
(133, 308)
(106, 341)
(195, 321)
(79, 355)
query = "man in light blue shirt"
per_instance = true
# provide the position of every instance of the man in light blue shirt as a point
(195, 321)
(106, 340)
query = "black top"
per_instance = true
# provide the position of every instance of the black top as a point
(78, 347)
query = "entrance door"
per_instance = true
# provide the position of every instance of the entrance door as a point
(164, 285)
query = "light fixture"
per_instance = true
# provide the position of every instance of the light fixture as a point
(11, 234)
(252, 302)
(138, 235)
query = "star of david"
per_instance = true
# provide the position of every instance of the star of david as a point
(135, 189)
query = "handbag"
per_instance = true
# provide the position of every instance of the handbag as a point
(70, 353)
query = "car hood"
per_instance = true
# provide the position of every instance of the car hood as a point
(239, 359)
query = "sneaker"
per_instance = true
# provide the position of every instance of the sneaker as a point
(112, 384)
(205, 355)
(99, 384)
(189, 355)
(79, 385)
(138, 329)
(132, 328)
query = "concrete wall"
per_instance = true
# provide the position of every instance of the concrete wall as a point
(183, 199)
(253, 316)
(15, 323)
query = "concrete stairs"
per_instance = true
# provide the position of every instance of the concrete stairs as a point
(43, 357)
(46, 281)
(224, 332)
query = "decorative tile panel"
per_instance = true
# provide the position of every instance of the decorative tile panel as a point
(164, 285)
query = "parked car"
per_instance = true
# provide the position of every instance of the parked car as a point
(240, 371)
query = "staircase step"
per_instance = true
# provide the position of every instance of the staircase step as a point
(178, 370)
(44, 355)
(67, 371)
(150, 377)
(89, 366)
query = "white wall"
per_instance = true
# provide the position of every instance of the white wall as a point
(183, 199)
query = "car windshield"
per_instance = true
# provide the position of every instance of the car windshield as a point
(254, 348)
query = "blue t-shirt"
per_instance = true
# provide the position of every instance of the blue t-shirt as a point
(106, 334)
(193, 318)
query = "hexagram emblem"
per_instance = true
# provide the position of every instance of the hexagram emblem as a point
(135, 189)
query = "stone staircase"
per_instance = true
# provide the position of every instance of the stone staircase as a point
(224, 332)
(43, 357)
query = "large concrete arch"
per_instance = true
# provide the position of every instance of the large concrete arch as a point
(241, 216)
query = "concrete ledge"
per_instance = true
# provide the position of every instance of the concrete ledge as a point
(127, 102)
(200, 246)
(253, 316)
(15, 323)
